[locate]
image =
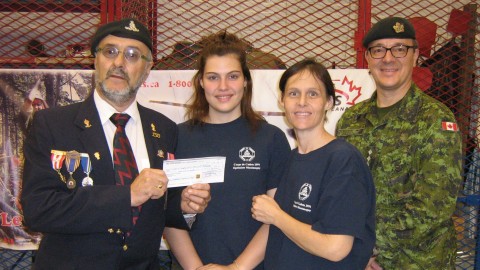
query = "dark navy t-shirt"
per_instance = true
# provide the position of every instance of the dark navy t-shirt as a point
(332, 189)
(254, 164)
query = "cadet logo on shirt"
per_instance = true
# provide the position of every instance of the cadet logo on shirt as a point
(305, 191)
(246, 154)
(303, 194)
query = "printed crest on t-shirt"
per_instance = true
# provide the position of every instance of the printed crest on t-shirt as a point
(303, 194)
(246, 162)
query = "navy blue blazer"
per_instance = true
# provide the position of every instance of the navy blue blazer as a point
(84, 227)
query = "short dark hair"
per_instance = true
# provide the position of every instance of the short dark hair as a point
(318, 71)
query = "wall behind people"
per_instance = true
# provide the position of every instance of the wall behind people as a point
(165, 91)
(169, 91)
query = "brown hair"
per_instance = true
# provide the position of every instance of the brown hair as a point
(318, 71)
(221, 44)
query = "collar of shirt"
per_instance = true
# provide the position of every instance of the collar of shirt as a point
(406, 109)
(106, 110)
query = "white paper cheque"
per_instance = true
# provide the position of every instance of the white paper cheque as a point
(185, 172)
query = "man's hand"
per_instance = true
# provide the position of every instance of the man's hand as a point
(195, 198)
(149, 184)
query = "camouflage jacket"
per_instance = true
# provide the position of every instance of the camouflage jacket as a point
(416, 162)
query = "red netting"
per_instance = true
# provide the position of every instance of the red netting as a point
(56, 34)
(280, 32)
(47, 34)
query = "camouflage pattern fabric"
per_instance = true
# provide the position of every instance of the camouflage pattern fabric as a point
(417, 169)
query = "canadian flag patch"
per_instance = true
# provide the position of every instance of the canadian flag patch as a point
(449, 126)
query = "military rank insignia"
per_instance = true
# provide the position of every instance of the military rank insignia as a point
(87, 124)
(155, 134)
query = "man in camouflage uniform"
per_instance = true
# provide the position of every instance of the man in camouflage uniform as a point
(413, 147)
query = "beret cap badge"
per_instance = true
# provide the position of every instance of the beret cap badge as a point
(132, 27)
(399, 28)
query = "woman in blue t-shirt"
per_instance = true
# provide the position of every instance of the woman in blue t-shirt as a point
(222, 122)
(322, 216)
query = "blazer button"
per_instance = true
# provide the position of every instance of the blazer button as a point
(119, 231)
(110, 230)
(125, 247)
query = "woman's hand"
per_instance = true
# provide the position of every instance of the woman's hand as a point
(265, 209)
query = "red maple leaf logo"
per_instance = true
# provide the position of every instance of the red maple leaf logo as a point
(353, 92)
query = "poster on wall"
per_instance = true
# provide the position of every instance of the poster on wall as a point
(23, 92)
(169, 91)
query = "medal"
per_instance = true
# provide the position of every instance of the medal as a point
(57, 158)
(87, 167)
(71, 183)
(72, 161)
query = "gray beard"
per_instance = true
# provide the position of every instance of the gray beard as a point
(118, 97)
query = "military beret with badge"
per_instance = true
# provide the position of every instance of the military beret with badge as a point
(392, 27)
(126, 28)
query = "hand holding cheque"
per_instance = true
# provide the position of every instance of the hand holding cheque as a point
(186, 172)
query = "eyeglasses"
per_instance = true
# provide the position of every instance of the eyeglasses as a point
(398, 51)
(131, 54)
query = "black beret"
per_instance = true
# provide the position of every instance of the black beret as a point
(126, 28)
(392, 27)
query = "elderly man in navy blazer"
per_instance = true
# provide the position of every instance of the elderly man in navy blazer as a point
(70, 192)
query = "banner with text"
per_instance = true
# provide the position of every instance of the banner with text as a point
(22, 92)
